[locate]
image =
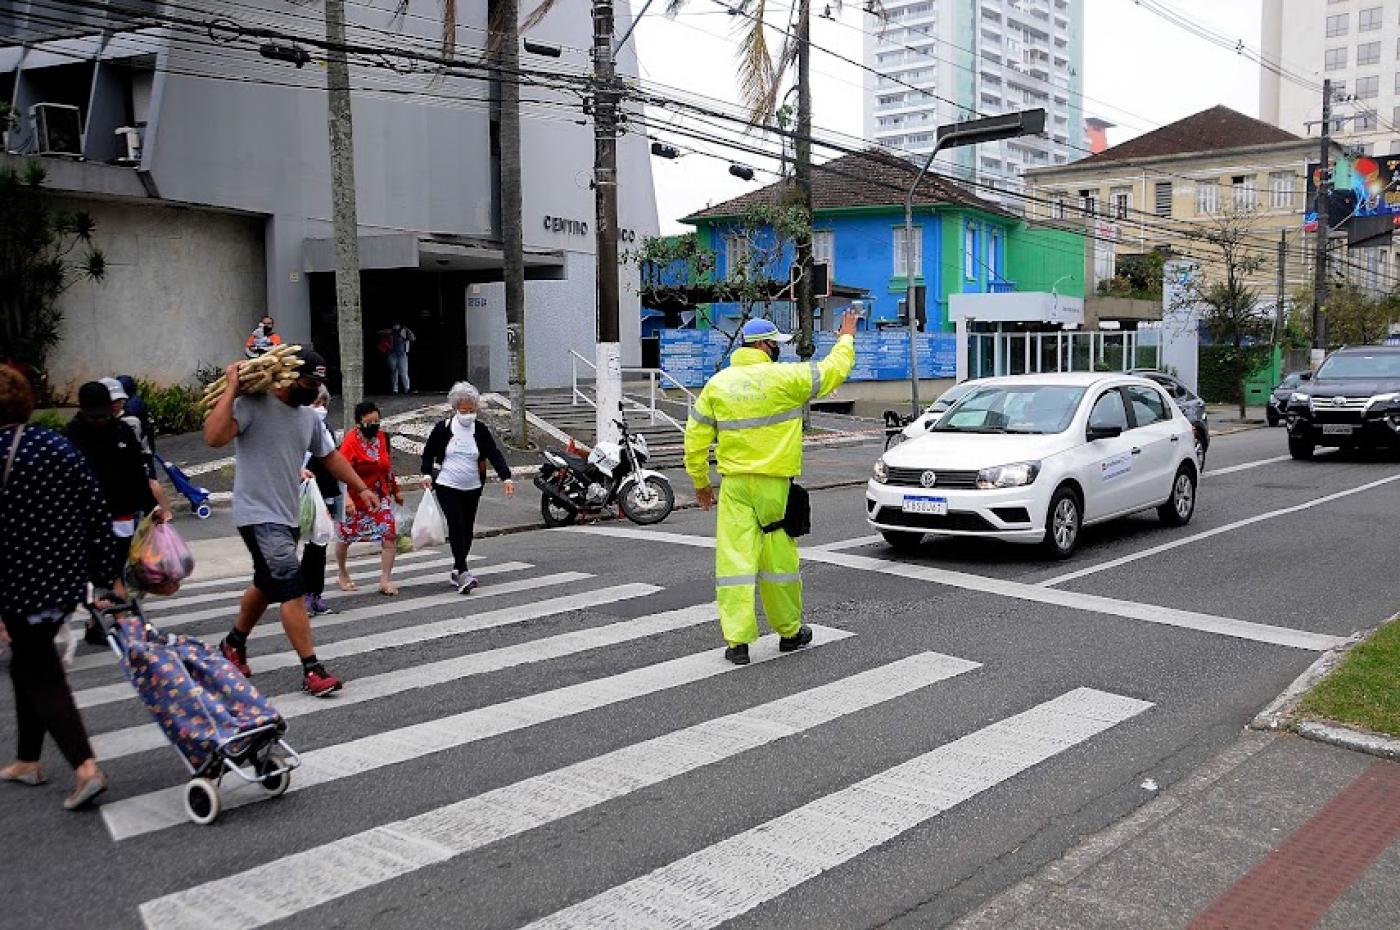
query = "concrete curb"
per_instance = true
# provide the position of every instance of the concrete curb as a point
(1058, 875)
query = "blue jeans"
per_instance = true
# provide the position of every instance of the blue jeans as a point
(398, 372)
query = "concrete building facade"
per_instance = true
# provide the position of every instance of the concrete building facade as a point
(942, 61)
(179, 112)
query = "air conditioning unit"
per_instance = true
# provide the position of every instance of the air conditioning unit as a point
(133, 137)
(58, 128)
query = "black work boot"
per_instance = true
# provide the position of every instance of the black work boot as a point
(797, 640)
(739, 654)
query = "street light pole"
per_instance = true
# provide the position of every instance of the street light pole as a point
(608, 355)
(991, 129)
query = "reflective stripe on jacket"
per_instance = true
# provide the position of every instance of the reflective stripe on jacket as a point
(753, 409)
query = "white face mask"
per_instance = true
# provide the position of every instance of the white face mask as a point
(320, 412)
(466, 420)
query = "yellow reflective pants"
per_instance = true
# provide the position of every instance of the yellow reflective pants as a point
(745, 556)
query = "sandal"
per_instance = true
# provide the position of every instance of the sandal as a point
(31, 777)
(388, 589)
(347, 583)
(84, 792)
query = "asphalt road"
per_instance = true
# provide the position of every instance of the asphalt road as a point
(945, 696)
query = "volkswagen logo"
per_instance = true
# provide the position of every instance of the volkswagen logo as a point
(1339, 402)
(928, 479)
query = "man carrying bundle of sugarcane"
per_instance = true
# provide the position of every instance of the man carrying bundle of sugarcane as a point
(261, 407)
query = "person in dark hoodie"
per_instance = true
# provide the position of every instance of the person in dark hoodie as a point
(116, 459)
(136, 409)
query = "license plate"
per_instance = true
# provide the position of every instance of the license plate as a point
(1337, 429)
(931, 506)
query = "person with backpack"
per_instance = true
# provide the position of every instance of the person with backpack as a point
(395, 343)
(454, 466)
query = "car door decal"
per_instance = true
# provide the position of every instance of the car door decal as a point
(1115, 467)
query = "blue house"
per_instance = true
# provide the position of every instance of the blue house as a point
(963, 244)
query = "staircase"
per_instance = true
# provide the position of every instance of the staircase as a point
(578, 420)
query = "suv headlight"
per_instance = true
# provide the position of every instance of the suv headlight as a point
(1007, 476)
(1298, 397)
(882, 471)
(1391, 398)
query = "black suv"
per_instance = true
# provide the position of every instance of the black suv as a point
(1353, 400)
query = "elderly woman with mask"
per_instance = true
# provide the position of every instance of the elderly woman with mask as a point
(454, 465)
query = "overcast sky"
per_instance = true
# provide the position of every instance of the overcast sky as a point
(1140, 72)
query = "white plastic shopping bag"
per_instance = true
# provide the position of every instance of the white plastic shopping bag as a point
(323, 528)
(429, 525)
(316, 524)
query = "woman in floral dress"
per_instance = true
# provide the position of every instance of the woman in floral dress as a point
(367, 449)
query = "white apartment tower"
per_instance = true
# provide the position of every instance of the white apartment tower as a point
(943, 61)
(1356, 43)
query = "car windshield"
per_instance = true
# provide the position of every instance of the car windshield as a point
(951, 396)
(1020, 408)
(1357, 365)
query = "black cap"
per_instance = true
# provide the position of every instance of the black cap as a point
(312, 365)
(95, 399)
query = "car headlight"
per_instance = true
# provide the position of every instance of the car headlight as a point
(1007, 476)
(882, 471)
(1298, 397)
(1390, 398)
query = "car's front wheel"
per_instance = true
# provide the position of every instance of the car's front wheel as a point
(1063, 522)
(1178, 509)
(901, 541)
(1301, 449)
(1271, 416)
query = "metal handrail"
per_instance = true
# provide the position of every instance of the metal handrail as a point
(653, 376)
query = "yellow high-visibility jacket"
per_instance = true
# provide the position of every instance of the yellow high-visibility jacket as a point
(754, 408)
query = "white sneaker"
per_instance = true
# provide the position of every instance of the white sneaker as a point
(467, 583)
(454, 579)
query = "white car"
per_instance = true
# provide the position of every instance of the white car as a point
(1034, 458)
(926, 420)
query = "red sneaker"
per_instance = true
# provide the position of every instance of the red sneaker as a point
(239, 657)
(318, 682)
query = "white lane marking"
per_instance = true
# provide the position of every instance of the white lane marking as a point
(295, 883)
(131, 740)
(230, 606)
(623, 532)
(241, 581)
(856, 543)
(165, 808)
(735, 875)
(173, 606)
(1130, 610)
(1245, 466)
(1214, 531)
(122, 690)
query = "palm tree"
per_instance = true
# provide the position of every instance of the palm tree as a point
(761, 78)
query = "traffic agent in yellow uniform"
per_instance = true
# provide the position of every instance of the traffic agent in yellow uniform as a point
(753, 410)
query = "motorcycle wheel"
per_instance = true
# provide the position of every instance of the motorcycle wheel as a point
(555, 515)
(648, 501)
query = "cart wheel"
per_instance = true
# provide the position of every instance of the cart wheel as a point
(275, 785)
(203, 512)
(202, 803)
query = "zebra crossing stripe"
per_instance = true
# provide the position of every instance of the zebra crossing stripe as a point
(159, 810)
(230, 603)
(178, 604)
(122, 690)
(285, 887)
(241, 580)
(131, 740)
(271, 627)
(732, 877)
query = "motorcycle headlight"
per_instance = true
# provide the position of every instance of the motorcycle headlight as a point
(882, 471)
(1007, 476)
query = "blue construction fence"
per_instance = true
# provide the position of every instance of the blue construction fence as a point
(691, 356)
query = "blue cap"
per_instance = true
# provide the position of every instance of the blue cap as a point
(763, 331)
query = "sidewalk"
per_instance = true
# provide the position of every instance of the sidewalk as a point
(1275, 832)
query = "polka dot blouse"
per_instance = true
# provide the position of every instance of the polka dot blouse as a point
(55, 529)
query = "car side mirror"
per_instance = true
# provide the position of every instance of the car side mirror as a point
(1104, 432)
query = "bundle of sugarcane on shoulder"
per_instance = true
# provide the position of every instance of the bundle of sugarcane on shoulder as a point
(279, 368)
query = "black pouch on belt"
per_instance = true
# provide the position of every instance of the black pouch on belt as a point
(797, 518)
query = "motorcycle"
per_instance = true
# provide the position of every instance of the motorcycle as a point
(572, 487)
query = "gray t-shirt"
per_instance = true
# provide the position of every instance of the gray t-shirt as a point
(272, 440)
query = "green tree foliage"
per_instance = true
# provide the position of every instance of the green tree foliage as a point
(43, 252)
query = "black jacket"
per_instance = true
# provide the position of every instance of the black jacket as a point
(435, 450)
(325, 482)
(117, 460)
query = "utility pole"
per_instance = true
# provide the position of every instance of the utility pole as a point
(344, 220)
(608, 356)
(1279, 321)
(803, 175)
(512, 233)
(1324, 190)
